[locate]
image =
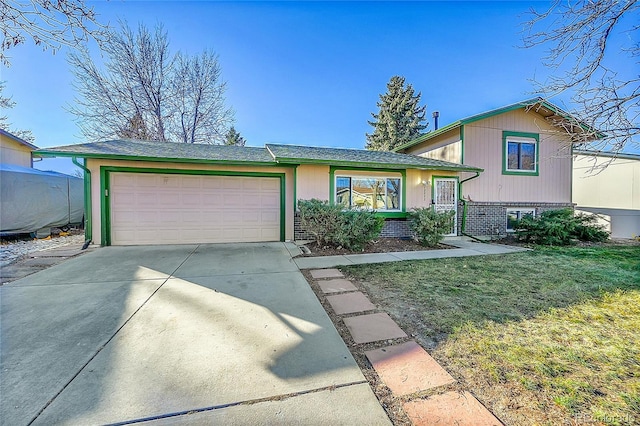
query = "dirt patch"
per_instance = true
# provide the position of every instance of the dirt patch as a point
(382, 245)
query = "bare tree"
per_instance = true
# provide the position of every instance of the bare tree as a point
(578, 37)
(49, 23)
(131, 90)
(145, 92)
(5, 104)
(199, 100)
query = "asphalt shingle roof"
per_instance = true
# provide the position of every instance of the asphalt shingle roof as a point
(163, 150)
(342, 156)
(272, 154)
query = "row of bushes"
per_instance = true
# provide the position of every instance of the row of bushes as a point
(332, 225)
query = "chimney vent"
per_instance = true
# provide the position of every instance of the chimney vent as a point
(436, 114)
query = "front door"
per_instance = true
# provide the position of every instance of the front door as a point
(445, 198)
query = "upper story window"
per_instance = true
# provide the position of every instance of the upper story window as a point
(520, 153)
(374, 193)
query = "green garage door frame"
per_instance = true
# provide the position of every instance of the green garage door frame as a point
(105, 188)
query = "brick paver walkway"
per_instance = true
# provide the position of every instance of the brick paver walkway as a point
(406, 368)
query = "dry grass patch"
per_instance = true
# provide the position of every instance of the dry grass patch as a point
(544, 337)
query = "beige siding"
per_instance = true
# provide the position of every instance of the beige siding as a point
(313, 182)
(12, 152)
(606, 182)
(451, 153)
(419, 187)
(94, 166)
(483, 147)
(446, 146)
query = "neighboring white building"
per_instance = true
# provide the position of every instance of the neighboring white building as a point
(609, 185)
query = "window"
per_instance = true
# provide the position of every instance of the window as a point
(513, 215)
(520, 153)
(372, 193)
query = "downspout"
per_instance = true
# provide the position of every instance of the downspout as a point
(88, 234)
(464, 208)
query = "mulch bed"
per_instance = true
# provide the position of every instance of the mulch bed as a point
(382, 245)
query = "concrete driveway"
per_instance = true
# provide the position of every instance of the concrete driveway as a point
(194, 334)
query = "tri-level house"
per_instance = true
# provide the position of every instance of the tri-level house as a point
(525, 151)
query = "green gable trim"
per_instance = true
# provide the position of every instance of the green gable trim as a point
(505, 171)
(403, 182)
(529, 103)
(105, 188)
(428, 136)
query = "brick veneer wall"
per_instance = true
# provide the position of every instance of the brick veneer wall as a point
(490, 219)
(395, 228)
(298, 233)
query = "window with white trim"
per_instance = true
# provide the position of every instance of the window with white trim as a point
(514, 215)
(371, 193)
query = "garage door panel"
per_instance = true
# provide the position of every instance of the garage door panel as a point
(183, 209)
(231, 183)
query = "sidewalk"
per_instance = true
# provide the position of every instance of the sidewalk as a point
(463, 248)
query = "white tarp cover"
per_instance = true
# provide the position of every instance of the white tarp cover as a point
(33, 199)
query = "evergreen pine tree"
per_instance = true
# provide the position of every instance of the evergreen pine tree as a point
(233, 138)
(400, 118)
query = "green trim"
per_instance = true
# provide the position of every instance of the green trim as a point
(105, 188)
(462, 144)
(506, 134)
(295, 189)
(105, 207)
(403, 182)
(523, 104)
(356, 165)
(463, 226)
(393, 215)
(88, 220)
(279, 162)
(427, 136)
(46, 153)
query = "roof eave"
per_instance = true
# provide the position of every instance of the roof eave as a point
(48, 153)
(427, 136)
(17, 139)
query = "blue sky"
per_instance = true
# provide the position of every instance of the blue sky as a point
(309, 73)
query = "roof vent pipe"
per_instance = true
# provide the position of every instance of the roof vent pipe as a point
(436, 114)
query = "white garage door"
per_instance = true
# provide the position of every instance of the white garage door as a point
(182, 209)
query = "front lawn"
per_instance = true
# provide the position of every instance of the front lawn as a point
(550, 336)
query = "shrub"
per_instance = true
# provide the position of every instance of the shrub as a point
(333, 226)
(320, 219)
(357, 228)
(559, 227)
(429, 226)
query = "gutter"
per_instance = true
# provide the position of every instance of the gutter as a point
(88, 234)
(464, 208)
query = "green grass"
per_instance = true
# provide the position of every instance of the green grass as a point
(542, 337)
